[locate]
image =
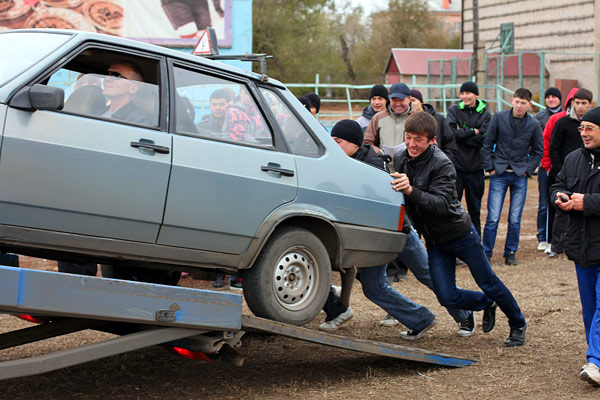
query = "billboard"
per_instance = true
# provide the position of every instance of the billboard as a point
(163, 22)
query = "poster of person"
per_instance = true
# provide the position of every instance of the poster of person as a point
(164, 22)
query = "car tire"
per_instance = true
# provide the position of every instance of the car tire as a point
(147, 275)
(289, 282)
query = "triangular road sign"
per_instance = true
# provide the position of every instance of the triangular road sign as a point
(204, 45)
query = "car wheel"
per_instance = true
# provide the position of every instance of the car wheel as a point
(141, 274)
(289, 282)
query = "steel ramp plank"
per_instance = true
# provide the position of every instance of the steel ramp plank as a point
(29, 291)
(349, 343)
(46, 331)
(90, 352)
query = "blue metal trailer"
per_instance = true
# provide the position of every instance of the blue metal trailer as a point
(144, 314)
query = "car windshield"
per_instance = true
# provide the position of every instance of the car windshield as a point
(21, 50)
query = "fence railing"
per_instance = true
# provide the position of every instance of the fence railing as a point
(446, 99)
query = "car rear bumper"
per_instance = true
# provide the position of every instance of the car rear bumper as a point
(366, 247)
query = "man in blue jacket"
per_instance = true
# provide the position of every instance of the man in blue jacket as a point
(512, 150)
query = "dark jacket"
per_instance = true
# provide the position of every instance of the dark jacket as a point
(130, 112)
(565, 138)
(433, 205)
(544, 115)
(519, 148)
(581, 174)
(462, 120)
(367, 155)
(445, 137)
(366, 117)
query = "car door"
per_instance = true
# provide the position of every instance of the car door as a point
(80, 172)
(227, 176)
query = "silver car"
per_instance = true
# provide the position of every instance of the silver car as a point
(151, 183)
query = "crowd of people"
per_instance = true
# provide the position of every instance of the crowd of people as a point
(434, 159)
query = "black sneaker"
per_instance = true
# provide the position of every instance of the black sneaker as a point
(488, 255)
(414, 334)
(467, 327)
(516, 337)
(509, 259)
(219, 281)
(235, 284)
(489, 318)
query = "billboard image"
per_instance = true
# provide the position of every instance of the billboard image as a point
(164, 22)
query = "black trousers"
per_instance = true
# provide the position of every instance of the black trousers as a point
(473, 185)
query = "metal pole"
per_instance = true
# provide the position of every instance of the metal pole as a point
(429, 78)
(475, 66)
(453, 78)
(317, 80)
(542, 74)
(349, 102)
(520, 69)
(502, 61)
(485, 71)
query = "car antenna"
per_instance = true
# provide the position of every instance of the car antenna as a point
(207, 47)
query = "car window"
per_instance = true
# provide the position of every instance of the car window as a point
(212, 107)
(112, 85)
(295, 134)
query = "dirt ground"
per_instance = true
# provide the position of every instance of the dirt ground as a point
(275, 367)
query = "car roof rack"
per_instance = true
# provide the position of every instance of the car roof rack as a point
(207, 47)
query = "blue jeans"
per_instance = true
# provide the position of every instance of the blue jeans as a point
(542, 213)
(375, 287)
(414, 257)
(588, 279)
(499, 185)
(442, 265)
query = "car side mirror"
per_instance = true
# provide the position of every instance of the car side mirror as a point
(39, 97)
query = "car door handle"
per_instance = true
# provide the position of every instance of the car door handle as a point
(277, 169)
(155, 147)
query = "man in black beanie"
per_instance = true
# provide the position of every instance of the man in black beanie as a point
(469, 120)
(552, 98)
(378, 97)
(577, 193)
(315, 103)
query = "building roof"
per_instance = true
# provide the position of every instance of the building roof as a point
(414, 62)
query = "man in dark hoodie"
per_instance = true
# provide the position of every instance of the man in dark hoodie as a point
(444, 137)
(469, 120)
(565, 138)
(378, 97)
(552, 98)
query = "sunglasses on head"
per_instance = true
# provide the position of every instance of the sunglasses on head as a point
(115, 74)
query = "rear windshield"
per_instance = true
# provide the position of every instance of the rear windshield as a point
(21, 50)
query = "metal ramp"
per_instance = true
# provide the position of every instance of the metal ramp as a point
(145, 314)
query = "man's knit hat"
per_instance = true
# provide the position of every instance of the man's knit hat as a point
(314, 99)
(349, 130)
(381, 91)
(470, 86)
(417, 94)
(305, 102)
(553, 91)
(592, 116)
